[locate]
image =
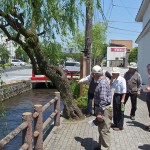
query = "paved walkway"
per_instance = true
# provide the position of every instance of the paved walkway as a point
(80, 136)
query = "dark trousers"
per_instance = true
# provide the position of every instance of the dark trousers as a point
(89, 106)
(148, 102)
(133, 98)
(118, 115)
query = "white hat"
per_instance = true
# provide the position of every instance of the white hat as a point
(132, 65)
(97, 69)
(115, 70)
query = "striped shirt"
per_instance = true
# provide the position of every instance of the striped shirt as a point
(102, 95)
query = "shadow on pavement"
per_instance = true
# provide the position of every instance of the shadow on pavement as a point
(87, 143)
(137, 124)
(144, 147)
(125, 116)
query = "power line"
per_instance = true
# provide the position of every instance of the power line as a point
(124, 6)
(127, 9)
(122, 21)
(122, 29)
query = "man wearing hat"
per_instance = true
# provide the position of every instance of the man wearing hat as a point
(118, 83)
(103, 108)
(134, 84)
(92, 85)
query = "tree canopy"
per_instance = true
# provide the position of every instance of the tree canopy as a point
(133, 55)
(29, 22)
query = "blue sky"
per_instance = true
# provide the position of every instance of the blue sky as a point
(122, 13)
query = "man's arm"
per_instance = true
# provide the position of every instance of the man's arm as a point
(85, 79)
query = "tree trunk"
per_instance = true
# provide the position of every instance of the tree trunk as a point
(88, 35)
(57, 76)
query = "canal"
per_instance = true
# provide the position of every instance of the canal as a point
(11, 114)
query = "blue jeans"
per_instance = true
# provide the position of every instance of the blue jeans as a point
(89, 106)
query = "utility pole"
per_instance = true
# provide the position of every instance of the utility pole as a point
(88, 36)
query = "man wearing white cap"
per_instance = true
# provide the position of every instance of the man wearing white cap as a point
(103, 109)
(119, 85)
(92, 85)
(134, 84)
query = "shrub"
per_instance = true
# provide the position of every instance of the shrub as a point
(82, 102)
(75, 89)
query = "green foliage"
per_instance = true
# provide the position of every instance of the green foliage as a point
(99, 36)
(98, 40)
(133, 55)
(82, 100)
(4, 53)
(21, 54)
(54, 17)
(52, 52)
(75, 87)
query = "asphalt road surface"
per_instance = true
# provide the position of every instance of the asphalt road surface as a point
(19, 74)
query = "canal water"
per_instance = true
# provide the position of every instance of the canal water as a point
(11, 116)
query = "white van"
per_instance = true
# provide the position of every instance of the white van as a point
(17, 62)
(72, 66)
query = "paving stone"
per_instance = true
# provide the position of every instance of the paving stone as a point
(80, 136)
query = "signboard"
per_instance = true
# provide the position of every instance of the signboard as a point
(117, 49)
(114, 53)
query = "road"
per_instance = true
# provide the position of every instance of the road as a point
(18, 74)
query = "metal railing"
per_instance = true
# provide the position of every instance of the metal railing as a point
(36, 143)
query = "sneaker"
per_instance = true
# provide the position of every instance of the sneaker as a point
(132, 117)
(118, 129)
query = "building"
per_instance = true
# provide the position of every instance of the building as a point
(117, 52)
(143, 39)
(116, 56)
(122, 43)
(70, 50)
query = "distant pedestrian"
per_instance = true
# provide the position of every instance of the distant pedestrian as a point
(148, 94)
(134, 84)
(119, 85)
(92, 85)
(103, 108)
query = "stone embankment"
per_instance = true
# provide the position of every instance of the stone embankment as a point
(13, 88)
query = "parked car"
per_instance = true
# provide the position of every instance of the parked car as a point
(72, 66)
(17, 62)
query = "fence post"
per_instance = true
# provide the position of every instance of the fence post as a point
(38, 127)
(57, 107)
(27, 133)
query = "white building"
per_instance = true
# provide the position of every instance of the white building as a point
(70, 50)
(9, 45)
(143, 39)
(115, 56)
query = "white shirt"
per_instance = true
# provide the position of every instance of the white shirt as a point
(86, 79)
(119, 85)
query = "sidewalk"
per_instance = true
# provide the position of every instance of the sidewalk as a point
(80, 136)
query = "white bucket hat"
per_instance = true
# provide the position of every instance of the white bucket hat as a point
(97, 69)
(115, 70)
(132, 65)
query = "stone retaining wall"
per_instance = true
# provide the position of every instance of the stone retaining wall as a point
(14, 88)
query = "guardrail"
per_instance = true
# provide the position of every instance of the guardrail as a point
(36, 143)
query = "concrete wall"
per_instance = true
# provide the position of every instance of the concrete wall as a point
(146, 16)
(144, 56)
(14, 88)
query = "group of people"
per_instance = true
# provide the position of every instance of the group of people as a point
(107, 108)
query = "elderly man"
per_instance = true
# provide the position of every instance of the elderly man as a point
(134, 84)
(92, 85)
(119, 85)
(103, 109)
